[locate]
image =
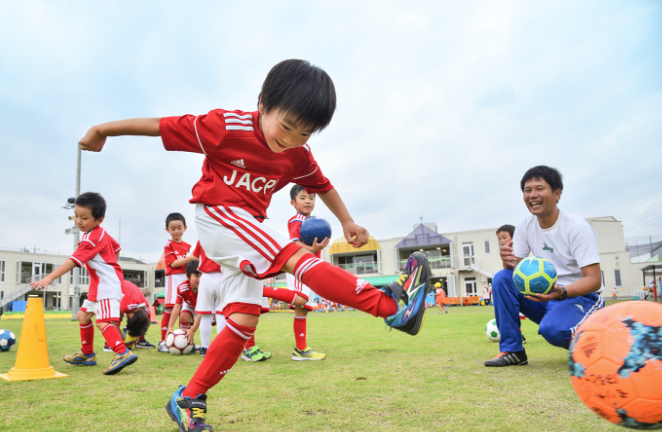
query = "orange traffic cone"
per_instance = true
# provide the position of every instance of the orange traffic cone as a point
(152, 314)
(32, 358)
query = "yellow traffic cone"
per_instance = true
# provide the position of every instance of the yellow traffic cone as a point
(32, 358)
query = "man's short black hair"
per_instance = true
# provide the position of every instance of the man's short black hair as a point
(507, 228)
(551, 175)
(296, 190)
(94, 202)
(138, 324)
(175, 217)
(302, 91)
(191, 267)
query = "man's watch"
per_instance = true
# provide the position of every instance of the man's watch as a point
(564, 295)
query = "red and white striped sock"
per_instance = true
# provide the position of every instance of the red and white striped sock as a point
(300, 332)
(223, 353)
(339, 286)
(184, 326)
(250, 343)
(284, 295)
(113, 338)
(87, 337)
(164, 322)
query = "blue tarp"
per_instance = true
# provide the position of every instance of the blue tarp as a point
(17, 306)
(422, 236)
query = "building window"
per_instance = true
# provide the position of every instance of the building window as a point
(83, 278)
(2, 270)
(617, 276)
(28, 271)
(470, 285)
(487, 246)
(468, 254)
(159, 278)
(137, 277)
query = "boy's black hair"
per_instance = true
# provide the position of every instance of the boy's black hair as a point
(191, 267)
(94, 202)
(138, 324)
(296, 189)
(507, 228)
(175, 217)
(551, 175)
(302, 91)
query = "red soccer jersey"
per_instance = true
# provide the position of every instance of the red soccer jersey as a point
(294, 226)
(184, 294)
(133, 299)
(205, 265)
(239, 168)
(172, 252)
(97, 252)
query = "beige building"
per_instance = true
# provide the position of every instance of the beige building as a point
(465, 262)
(19, 268)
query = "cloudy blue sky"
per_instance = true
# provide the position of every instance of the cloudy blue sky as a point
(442, 106)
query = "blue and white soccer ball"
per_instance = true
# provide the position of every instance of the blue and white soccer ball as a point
(492, 331)
(7, 340)
(534, 275)
(312, 228)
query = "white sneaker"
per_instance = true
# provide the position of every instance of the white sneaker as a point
(162, 347)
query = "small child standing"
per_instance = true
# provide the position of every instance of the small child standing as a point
(440, 297)
(97, 251)
(298, 295)
(209, 298)
(505, 235)
(175, 257)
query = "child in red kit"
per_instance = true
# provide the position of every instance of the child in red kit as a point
(299, 295)
(175, 257)
(248, 157)
(97, 251)
(187, 299)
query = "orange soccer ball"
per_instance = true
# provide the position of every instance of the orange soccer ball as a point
(616, 364)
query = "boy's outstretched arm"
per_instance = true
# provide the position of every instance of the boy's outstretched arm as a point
(95, 138)
(65, 268)
(355, 234)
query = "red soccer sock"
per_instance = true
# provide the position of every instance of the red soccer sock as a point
(87, 337)
(300, 332)
(339, 286)
(250, 343)
(185, 326)
(113, 338)
(223, 353)
(279, 294)
(164, 323)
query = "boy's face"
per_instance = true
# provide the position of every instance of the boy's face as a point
(194, 281)
(176, 229)
(280, 132)
(504, 238)
(304, 203)
(539, 197)
(84, 219)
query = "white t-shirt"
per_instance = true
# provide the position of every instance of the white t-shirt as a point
(569, 245)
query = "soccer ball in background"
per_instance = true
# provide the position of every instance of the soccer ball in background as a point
(7, 340)
(492, 331)
(177, 343)
(314, 227)
(534, 275)
(616, 364)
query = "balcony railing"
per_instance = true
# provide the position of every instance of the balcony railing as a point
(443, 262)
(360, 269)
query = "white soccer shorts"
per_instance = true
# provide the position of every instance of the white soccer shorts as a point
(106, 310)
(209, 293)
(245, 249)
(188, 309)
(293, 284)
(172, 282)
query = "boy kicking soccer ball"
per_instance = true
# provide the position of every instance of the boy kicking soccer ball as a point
(97, 251)
(248, 157)
(187, 298)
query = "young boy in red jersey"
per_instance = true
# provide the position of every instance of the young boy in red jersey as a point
(175, 257)
(208, 307)
(97, 251)
(248, 157)
(297, 294)
(187, 298)
(134, 306)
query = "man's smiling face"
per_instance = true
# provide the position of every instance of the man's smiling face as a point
(539, 197)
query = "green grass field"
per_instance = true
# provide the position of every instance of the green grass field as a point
(371, 380)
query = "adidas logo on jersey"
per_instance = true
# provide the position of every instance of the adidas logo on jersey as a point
(239, 163)
(360, 284)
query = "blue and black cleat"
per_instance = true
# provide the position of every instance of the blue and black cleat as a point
(409, 292)
(188, 413)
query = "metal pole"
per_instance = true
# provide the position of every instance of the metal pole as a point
(76, 303)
